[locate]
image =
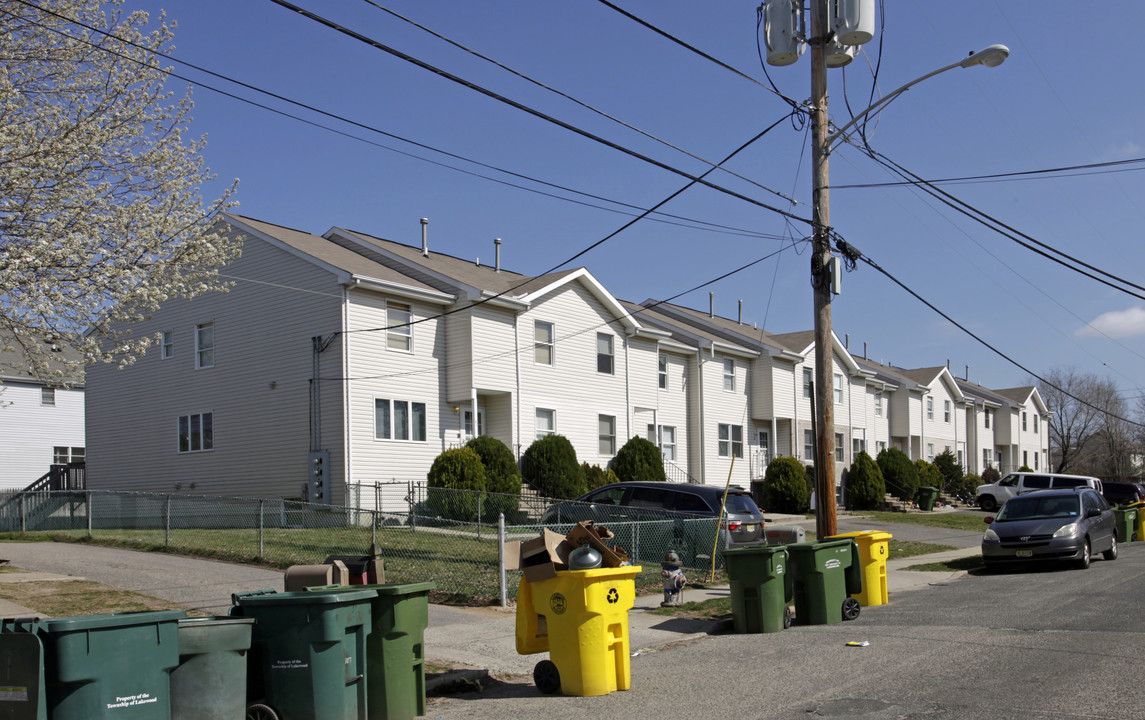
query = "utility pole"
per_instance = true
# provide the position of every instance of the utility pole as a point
(824, 389)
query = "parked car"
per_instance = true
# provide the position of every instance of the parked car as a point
(990, 497)
(1123, 493)
(1067, 525)
(639, 501)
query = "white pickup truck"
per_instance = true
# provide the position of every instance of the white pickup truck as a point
(990, 497)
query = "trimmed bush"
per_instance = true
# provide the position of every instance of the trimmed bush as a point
(639, 459)
(951, 472)
(453, 471)
(865, 487)
(970, 483)
(928, 474)
(900, 476)
(1025, 468)
(785, 486)
(550, 467)
(990, 475)
(502, 477)
(595, 476)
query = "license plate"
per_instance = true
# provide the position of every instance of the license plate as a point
(1023, 553)
(748, 528)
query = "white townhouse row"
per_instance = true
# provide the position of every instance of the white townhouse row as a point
(368, 358)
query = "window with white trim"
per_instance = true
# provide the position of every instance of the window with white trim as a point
(808, 382)
(730, 375)
(543, 348)
(930, 452)
(808, 445)
(662, 370)
(985, 458)
(930, 408)
(605, 360)
(1035, 426)
(196, 432)
(880, 445)
(204, 346)
(1024, 426)
(167, 345)
(946, 411)
(399, 331)
(1025, 458)
(858, 445)
(666, 441)
(838, 389)
(730, 440)
(606, 434)
(839, 449)
(47, 396)
(986, 416)
(546, 422)
(879, 404)
(399, 420)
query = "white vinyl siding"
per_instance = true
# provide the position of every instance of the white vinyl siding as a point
(30, 431)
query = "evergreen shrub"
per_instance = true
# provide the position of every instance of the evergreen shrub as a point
(785, 486)
(865, 487)
(550, 467)
(502, 478)
(453, 471)
(639, 459)
(899, 474)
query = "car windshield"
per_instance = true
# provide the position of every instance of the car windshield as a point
(740, 505)
(1033, 507)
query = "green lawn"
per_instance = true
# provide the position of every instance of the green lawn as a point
(955, 521)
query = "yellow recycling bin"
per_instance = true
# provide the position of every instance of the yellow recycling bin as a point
(1140, 519)
(873, 549)
(581, 618)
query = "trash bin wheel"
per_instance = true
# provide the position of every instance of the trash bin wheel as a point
(258, 711)
(786, 617)
(546, 677)
(850, 608)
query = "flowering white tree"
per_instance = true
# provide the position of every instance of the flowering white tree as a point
(101, 216)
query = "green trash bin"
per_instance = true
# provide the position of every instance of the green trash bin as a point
(395, 648)
(114, 667)
(308, 653)
(760, 586)
(926, 497)
(22, 686)
(210, 682)
(1125, 520)
(824, 574)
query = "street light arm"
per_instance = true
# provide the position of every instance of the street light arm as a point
(992, 56)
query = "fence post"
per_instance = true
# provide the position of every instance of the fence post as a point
(261, 505)
(501, 560)
(374, 527)
(480, 511)
(412, 505)
(167, 522)
(20, 502)
(88, 493)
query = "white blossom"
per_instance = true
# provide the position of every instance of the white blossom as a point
(101, 215)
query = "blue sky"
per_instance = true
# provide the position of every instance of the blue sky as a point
(1063, 98)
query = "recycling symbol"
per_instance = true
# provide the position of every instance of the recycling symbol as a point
(613, 596)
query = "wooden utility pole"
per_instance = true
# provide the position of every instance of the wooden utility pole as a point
(824, 389)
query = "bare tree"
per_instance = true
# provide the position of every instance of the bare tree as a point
(1076, 427)
(101, 216)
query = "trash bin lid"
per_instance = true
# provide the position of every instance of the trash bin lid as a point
(402, 588)
(112, 620)
(756, 550)
(306, 598)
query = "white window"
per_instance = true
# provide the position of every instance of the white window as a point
(1025, 458)
(604, 356)
(167, 345)
(204, 346)
(880, 445)
(399, 331)
(47, 396)
(878, 404)
(1024, 422)
(730, 440)
(985, 458)
(986, 415)
(1035, 426)
(808, 381)
(730, 375)
(546, 423)
(946, 411)
(60, 456)
(663, 370)
(399, 420)
(960, 457)
(607, 434)
(930, 452)
(467, 420)
(839, 440)
(666, 441)
(543, 349)
(808, 445)
(196, 432)
(838, 389)
(930, 408)
(858, 445)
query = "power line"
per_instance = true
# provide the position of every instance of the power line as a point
(526, 109)
(703, 225)
(998, 177)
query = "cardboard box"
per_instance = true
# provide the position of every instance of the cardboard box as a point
(539, 558)
(597, 535)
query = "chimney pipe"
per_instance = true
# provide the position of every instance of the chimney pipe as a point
(967, 378)
(741, 312)
(497, 245)
(425, 237)
(864, 351)
(846, 341)
(711, 304)
(948, 363)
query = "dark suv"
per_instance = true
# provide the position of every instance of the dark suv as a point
(636, 501)
(1123, 493)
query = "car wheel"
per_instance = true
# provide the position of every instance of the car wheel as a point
(546, 677)
(850, 608)
(1086, 556)
(987, 503)
(1111, 553)
(258, 711)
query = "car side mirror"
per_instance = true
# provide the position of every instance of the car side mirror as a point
(1093, 512)
(988, 519)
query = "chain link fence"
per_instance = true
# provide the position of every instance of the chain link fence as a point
(450, 537)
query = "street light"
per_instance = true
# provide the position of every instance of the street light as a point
(832, 22)
(992, 56)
